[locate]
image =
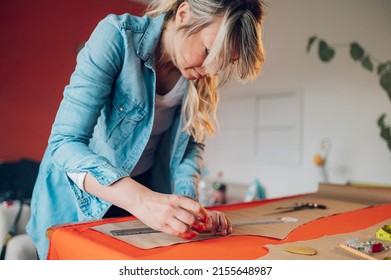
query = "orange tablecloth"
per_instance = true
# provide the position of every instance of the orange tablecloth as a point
(78, 241)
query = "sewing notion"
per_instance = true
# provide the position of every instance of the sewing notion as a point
(301, 206)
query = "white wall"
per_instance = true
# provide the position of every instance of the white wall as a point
(340, 100)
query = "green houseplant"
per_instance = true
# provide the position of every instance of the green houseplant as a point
(326, 53)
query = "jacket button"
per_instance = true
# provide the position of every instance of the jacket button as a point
(121, 108)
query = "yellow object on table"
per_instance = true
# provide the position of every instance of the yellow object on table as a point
(384, 233)
(302, 250)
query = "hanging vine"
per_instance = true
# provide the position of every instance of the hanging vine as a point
(326, 53)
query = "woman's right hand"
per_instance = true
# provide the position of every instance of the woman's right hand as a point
(173, 214)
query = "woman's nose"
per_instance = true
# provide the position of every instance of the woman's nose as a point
(202, 71)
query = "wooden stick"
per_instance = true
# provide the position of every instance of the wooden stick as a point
(356, 252)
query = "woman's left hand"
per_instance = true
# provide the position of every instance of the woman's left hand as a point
(218, 222)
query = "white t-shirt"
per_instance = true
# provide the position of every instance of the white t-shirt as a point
(165, 108)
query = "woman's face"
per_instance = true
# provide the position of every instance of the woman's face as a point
(191, 52)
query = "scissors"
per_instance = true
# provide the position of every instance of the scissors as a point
(299, 206)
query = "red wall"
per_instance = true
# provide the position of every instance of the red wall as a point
(38, 46)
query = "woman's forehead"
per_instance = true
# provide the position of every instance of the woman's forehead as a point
(210, 32)
(220, 47)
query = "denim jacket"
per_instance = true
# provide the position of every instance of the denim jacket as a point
(103, 125)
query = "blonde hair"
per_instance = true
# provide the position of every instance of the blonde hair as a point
(237, 50)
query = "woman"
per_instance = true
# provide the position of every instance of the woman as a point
(128, 135)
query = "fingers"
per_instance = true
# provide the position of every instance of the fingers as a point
(188, 217)
(194, 207)
(225, 225)
(219, 222)
(182, 216)
(179, 229)
(190, 220)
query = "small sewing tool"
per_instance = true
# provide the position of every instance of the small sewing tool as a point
(145, 230)
(301, 206)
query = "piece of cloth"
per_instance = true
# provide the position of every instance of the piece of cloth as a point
(332, 196)
(17, 179)
(250, 215)
(21, 247)
(103, 125)
(79, 241)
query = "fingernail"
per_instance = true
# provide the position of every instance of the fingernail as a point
(190, 235)
(199, 227)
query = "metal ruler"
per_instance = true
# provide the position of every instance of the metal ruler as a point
(145, 230)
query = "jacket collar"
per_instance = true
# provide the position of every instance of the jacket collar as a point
(149, 40)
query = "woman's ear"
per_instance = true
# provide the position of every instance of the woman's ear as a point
(182, 15)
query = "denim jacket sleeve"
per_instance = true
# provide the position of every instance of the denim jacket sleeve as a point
(188, 172)
(98, 64)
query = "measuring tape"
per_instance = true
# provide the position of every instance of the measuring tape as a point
(145, 230)
(384, 233)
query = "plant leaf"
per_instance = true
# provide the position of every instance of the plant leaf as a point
(385, 82)
(367, 63)
(380, 120)
(326, 53)
(356, 51)
(385, 131)
(384, 67)
(381, 67)
(311, 41)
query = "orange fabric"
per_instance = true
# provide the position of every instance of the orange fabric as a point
(78, 241)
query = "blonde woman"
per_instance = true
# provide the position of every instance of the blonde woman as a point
(128, 135)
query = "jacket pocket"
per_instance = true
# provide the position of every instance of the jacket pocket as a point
(122, 119)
